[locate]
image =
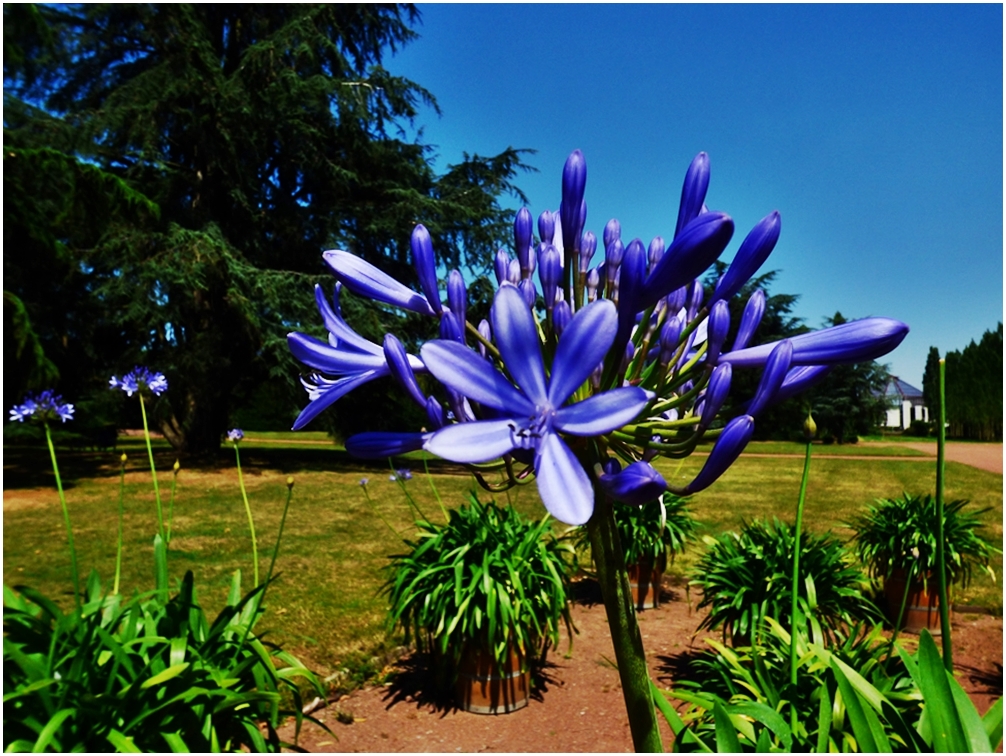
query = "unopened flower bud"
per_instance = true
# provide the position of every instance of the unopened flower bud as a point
(809, 428)
(289, 481)
(122, 459)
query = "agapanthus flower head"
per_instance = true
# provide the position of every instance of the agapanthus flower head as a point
(140, 379)
(623, 359)
(46, 406)
(235, 434)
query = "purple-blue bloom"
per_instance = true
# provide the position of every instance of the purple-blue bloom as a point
(692, 251)
(138, 379)
(235, 434)
(572, 209)
(347, 356)
(637, 484)
(755, 249)
(362, 278)
(693, 193)
(776, 368)
(379, 445)
(426, 266)
(43, 407)
(728, 446)
(533, 413)
(753, 312)
(856, 341)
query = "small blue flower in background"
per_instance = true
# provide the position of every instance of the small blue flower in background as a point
(364, 481)
(234, 435)
(45, 406)
(140, 378)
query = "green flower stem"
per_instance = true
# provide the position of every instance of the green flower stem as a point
(279, 538)
(426, 469)
(66, 518)
(625, 636)
(153, 470)
(901, 613)
(118, 550)
(251, 521)
(941, 558)
(373, 506)
(171, 504)
(795, 586)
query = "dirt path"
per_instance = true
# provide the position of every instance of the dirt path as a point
(578, 704)
(983, 456)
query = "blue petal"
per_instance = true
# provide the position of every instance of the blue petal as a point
(345, 337)
(637, 484)
(333, 392)
(563, 484)
(727, 448)
(583, 345)
(362, 278)
(857, 341)
(517, 339)
(466, 372)
(379, 445)
(602, 413)
(480, 441)
(327, 359)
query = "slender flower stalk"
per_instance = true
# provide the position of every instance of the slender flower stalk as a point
(796, 619)
(941, 547)
(234, 436)
(66, 517)
(142, 381)
(153, 472)
(282, 525)
(118, 548)
(44, 408)
(171, 504)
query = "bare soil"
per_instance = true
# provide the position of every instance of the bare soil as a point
(576, 702)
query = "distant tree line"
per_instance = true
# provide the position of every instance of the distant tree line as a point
(974, 388)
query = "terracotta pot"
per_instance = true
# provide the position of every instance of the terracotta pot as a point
(483, 687)
(922, 608)
(645, 579)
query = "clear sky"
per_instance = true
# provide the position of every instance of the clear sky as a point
(875, 130)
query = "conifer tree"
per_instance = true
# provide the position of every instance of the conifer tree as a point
(264, 134)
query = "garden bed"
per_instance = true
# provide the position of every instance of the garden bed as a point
(577, 703)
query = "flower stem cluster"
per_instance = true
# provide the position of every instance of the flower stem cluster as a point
(620, 358)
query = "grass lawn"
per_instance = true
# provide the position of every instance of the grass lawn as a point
(326, 605)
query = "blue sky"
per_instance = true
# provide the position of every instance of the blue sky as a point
(875, 130)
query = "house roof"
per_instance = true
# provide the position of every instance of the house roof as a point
(897, 387)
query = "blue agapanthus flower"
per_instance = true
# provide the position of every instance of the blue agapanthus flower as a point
(140, 379)
(620, 361)
(42, 407)
(235, 434)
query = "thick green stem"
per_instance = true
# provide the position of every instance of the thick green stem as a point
(66, 518)
(153, 472)
(941, 564)
(251, 521)
(118, 550)
(795, 586)
(625, 636)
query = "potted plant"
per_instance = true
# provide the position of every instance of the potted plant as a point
(486, 594)
(746, 578)
(647, 534)
(896, 540)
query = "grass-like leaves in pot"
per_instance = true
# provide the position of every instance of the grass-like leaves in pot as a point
(901, 534)
(746, 577)
(488, 576)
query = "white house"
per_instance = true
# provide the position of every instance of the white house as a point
(905, 404)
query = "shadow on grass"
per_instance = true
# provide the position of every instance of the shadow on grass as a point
(29, 466)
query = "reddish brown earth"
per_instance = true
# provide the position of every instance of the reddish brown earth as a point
(577, 704)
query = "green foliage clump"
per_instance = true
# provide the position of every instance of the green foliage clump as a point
(847, 700)
(489, 576)
(146, 673)
(760, 676)
(746, 577)
(647, 533)
(902, 534)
